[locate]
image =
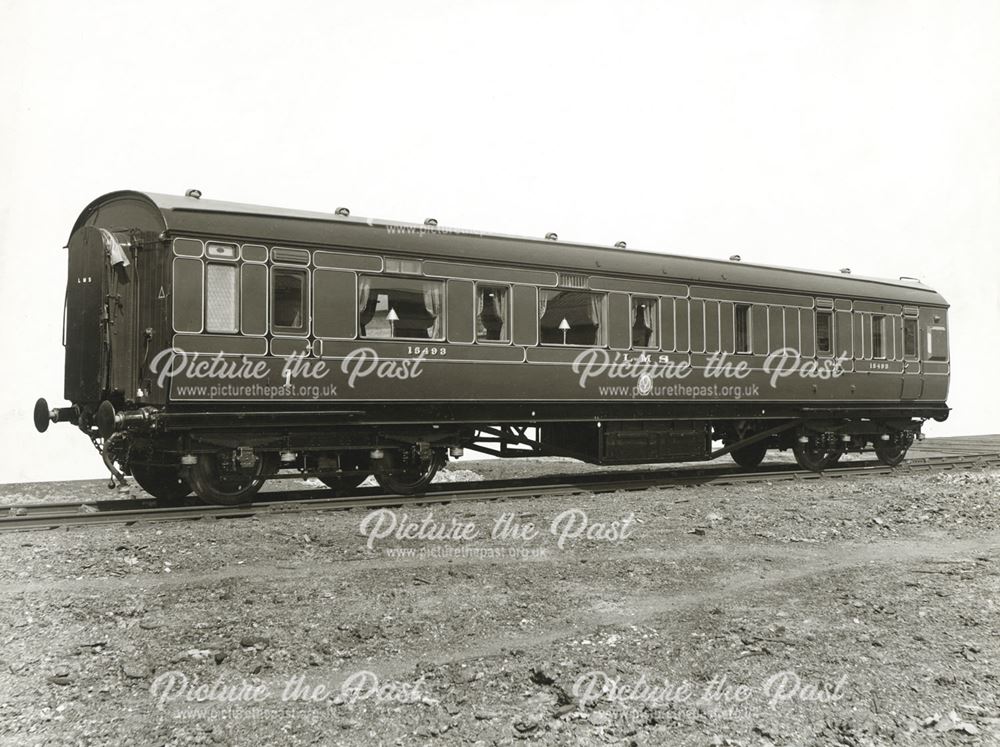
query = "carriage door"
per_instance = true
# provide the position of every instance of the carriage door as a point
(100, 306)
(913, 380)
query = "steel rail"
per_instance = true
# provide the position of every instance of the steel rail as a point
(130, 511)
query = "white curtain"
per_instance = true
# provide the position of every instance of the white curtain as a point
(480, 327)
(499, 301)
(433, 302)
(644, 315)
(543, 302)
(595, 310)
(364, 292)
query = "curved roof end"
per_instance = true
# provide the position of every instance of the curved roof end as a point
(105, 199)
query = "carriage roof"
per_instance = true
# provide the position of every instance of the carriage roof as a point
(190, 216)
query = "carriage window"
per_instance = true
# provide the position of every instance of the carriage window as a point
(221, 299)
(289, 300)
(824, 332)
(742, 328)
(909, 338)
(400, 308)
(878, 334)
(644, 322)
(570, 317)
(492, 313)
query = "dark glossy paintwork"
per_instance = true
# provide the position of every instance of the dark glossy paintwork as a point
(423, 375)
(86, 334)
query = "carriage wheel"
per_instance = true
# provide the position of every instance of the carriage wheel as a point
(749, 457)
(815, 459)
(357, 464)
(217, 481)
(402, 471)
(160, 481)
(890, 454)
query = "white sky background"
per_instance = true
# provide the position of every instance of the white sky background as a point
(816, 134)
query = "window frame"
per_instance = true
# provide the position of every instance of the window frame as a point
(654, 337)
(508, 322)
(602, 335)
(243, 265)
(748, 339)
(878, 320)
(398, 276)
(831, 335)
(915, 355)
(282, 330)
(775, 317)
(237, 298)
(716, 327)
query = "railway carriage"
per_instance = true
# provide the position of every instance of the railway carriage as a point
(212, 346)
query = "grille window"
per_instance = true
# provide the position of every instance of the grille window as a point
(401, 308)
(644, 322)
(221, 299)
(289, 301)
(569, 280)
(492, 313)
(909, 338)
(824, 332)
(742, 328)
(878, 335)
(570, 317)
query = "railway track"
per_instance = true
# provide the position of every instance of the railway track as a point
(40, 516)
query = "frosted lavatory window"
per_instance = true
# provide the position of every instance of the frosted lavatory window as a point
(221, 299)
